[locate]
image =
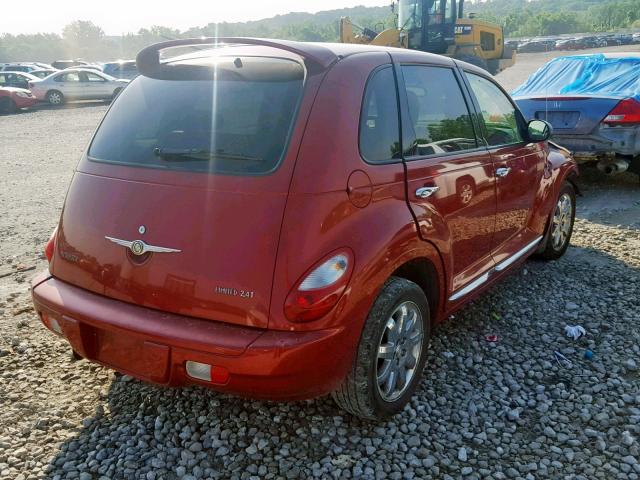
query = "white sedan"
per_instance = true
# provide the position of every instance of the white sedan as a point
(76, 84)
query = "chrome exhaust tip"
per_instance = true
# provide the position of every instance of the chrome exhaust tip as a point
(613, 167)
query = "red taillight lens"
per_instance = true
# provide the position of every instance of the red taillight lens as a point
(51, 245)
(625, 112)
(318, 291)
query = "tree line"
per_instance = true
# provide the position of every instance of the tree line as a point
(522, 18)
(85, 40)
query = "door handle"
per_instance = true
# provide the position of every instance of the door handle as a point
(502, 171)
(426, 192)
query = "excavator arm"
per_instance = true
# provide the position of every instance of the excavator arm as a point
(390, 37)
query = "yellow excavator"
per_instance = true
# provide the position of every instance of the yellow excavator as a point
(438, 26)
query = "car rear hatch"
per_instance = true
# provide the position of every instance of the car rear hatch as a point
(577, 115)
(178, 204)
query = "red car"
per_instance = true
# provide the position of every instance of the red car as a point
(12, 99)
(282, 220)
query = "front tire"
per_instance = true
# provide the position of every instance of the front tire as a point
(54, 97)
(561, 223)
(391, 353)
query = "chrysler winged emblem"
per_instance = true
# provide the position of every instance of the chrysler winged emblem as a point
(138, 247)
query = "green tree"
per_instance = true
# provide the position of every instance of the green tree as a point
(83, 39)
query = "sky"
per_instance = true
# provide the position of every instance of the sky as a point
(123, 16)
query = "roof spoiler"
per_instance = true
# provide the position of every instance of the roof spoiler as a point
(148, 62)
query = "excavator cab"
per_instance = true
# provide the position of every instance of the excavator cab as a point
(430, 25)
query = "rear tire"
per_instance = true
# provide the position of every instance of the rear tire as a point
(394, 339)
(7, 105)
(54, 97)
(560, 226)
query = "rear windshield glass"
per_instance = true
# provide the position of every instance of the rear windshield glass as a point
(237, 123)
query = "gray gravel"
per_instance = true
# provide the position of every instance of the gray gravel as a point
(484, 410)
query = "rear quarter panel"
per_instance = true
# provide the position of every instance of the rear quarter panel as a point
(320, 216)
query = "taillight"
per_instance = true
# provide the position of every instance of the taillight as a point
(625, 112)
(318, 291)
(51, 245)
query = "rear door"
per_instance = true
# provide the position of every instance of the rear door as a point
(69, 84)
(196, 174)
(517, 165)
(94, 86)
(451, 187)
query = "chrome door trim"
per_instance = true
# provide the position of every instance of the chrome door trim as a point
(513, 258)
(502, 171)
(470, 287)
(467, 289)
(426, 192)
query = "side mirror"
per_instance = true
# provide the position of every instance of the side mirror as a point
(539, 130)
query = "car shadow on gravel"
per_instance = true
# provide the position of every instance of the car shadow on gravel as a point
(486, 405)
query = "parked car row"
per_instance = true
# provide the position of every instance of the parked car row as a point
(118, 69)
(23, 84)
(572, 43)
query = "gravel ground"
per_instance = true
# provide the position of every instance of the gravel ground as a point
(484, 410)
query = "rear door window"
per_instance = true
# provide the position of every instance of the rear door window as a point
(379, 126)
(438, 112)
(68, 77)
(92, 77)
(237, 124)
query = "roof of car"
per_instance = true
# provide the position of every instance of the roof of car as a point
(80, 69)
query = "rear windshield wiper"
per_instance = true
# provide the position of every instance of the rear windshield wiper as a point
(187, 154)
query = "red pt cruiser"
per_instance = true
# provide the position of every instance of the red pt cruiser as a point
(282, 220)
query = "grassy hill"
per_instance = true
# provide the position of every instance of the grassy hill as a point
(82, 39)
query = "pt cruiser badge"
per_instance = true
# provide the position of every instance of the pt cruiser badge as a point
(138, 247)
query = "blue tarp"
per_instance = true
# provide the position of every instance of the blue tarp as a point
(615, 76)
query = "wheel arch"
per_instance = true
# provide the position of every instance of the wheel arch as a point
(423, 272)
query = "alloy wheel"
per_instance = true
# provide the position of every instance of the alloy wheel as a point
(561, 222)
(399, 351)
(55, 98)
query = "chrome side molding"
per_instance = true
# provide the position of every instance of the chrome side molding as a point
(513, 258)
(468, 288)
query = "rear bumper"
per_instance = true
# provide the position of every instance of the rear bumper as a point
(604, 141)
(154, 346)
